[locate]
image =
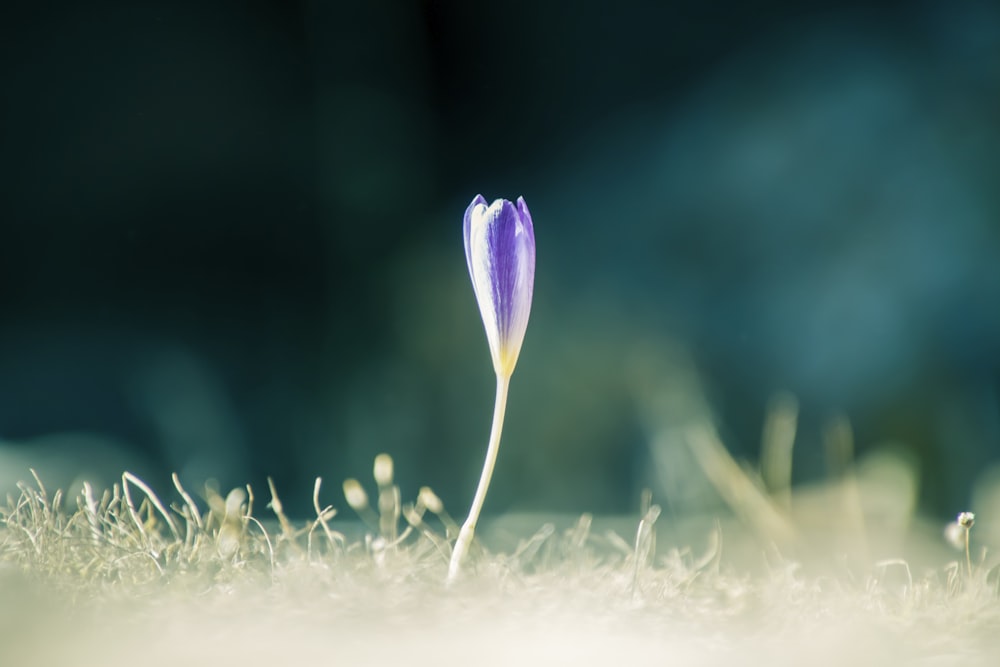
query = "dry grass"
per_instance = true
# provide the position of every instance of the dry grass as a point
(125, 577)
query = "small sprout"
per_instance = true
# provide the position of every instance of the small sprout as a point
(357, 499)
(388, 497)
(383, 469)
(231, 530)
(430, 500)
(234, 503)
(389, 502)
(355, 495)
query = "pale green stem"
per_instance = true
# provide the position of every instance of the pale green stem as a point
(968, 558)
(469, 527)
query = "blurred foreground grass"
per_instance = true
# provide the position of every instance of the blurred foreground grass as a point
(824, 577)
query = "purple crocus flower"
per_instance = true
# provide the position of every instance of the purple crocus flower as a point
(500, 251)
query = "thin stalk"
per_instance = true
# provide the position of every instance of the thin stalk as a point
(469, 527)
(968, 558)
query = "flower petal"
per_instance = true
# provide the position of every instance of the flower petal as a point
(500, 251)
(479, 200)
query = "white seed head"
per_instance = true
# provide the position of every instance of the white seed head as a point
(966, 519)
(234, 502)
(383, 470)
(954, 535)
(430, 500)
(355, 494)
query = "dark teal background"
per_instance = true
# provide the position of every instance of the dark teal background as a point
(230, 237)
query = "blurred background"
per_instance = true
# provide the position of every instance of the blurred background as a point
(230, 241)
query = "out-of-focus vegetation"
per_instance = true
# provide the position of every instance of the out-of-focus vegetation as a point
(128, 574)
(230, 241)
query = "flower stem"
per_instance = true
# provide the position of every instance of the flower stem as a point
(469, 527)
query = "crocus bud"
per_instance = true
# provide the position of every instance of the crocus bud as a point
(500, 251)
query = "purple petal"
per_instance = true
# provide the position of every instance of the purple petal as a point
(500, 251)
(506, 257)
